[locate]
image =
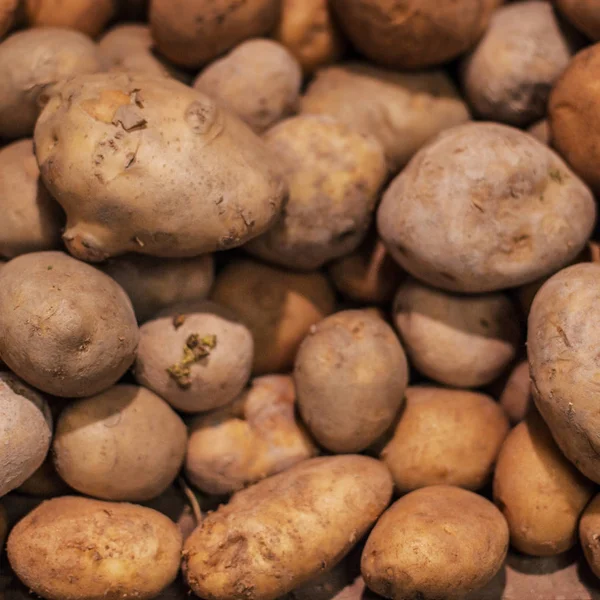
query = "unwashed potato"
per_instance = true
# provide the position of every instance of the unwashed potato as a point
(31, 62)
(259, 80)
(350, 374)
(584, 14)
(255, 436)
(285, 530)
(402, 110)
(589, 533)
(458, 340)
(74, 548)
(8, 9)
(516, 398)
(437, 542)
(334, 175)
(279, 307)
(65, 327)
(485, 207)
(540, 131)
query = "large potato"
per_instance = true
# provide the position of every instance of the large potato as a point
(285, 530)
(584, 14)
(65, 327)
(73, 548)
(589, 533)
(148, 165)
(485, 207)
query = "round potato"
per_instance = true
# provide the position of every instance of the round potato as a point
(462, 341)
(65, 327)
(516, 398)
(117, 550)
(438, 542)
(589, 533)
(501, 210)
(287, 529)
(540, 131)
(279, 308)
(584, 14)
(8, 10)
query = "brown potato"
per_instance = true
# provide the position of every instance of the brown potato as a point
(285, 530)
(65, 327)
(540, 131)
(278, 307)
(589, 533)
(437, 542)
(516, 398)
(8, 10)
(117, 550)
(584, 14)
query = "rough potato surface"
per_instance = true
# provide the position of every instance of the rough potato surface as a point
(584, 14)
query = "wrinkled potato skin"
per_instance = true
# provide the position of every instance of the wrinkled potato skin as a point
(402, 110)
(196, 178)
(334, 175)
(286, 529)
(583, 14)
(516, 398)
(589, 529)
(83, 322)
(117, 550)
(8, 9)
(540, 131)
(485, 207)
(278, 307)
(252, 438)
(437, 542)
(259, 81)
(30, 62)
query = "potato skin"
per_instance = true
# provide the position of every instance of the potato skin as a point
(83, 324)
(589, 527)
(336, 498)
(516, 398)
(501, 210)
(407, 555)
(117, 550)
(583, 14)
(148, 165)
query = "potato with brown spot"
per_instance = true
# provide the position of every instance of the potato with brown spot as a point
(516, 398)
(583, 14)
(589, 533)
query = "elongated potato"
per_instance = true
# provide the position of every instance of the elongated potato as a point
(589, 533)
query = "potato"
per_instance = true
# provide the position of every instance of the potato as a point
(253, 437)
(350, 376)
(496, 208)
(146, 164)
(74, 548)
(516, 398)
(584, 14)
(8, 10)
(30, 62)
(279, 307)
(25, 431)
(438, 542)
(285, 530)
(540, 131)
(44, 482)
(197, 356)
(462, 341)
(153, 284)
(191, 33)
(65, 327)
(402, 110)
(334, 175)
(259, 80)
(589, 532)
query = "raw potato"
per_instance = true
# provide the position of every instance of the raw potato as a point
(495, 208)
(334, 175)
(197, 356)
(259, 80)
(458, 340)
(191, 33)
(438, 542)
(279, 307)
(402, 110)
(65, 327)
(584, 14)
(589, 533)
(31, 219)
(285, 530)
(25, 431)
(541, 131)
(516, 398)
(30, 62)
(148, 165)
(539, 491)
(44, 482)
(252, 438)
(153, 284)
(350, 375)
(117, 550)
(8, 9)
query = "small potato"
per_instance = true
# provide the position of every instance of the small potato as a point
(65, 327)
(117, 551)
(458, 340)
(287, 529)
(402, 110)
(197, 356)
(334, 175)
(496, 208)
(259, 80)
(540, 131)
(252, 438)
(350, 375)
(8, 10)
(583, 14)
(589, 533)
(438, 542)
(279, 307)
(516, 398)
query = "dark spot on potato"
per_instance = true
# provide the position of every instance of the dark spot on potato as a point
(201, 115)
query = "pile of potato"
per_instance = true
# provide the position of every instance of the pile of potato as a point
(299, 299)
